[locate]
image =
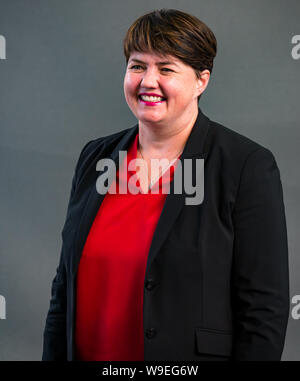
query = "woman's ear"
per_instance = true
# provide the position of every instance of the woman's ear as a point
(202, 82)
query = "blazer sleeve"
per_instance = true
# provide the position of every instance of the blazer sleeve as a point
(55, 333)
(260, 277)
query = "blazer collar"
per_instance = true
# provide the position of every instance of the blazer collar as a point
(194, 148)
(194, 145)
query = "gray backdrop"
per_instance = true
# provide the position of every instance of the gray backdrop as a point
(61, 85)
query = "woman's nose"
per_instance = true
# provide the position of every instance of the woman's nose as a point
(150, 78)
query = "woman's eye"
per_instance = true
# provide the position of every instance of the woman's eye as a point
(139, 66)
(135, 66)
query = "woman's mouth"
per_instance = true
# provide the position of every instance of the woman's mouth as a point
(151, 100)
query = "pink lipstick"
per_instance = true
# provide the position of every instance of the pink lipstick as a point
(151, 103)
(148, 103)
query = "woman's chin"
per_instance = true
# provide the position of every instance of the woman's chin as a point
(150, 114)
(150, 119)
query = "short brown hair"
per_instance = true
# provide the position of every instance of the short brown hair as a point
(176, 33)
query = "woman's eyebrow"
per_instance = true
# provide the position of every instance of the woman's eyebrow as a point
(158, 63)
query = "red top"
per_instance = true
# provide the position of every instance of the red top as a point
(110, 279)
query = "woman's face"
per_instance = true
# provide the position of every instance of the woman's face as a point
(175, 81)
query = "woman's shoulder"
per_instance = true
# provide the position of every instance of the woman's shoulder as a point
(233, 144)
(93, 148)
(94, 144)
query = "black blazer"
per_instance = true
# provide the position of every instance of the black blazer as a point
(217, 281)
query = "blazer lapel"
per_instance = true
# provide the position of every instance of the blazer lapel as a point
(173, 203)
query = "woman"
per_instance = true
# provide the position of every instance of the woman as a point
(152, 276)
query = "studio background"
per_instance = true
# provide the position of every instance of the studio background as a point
(61, 85)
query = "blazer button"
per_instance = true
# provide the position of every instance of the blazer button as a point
(150, 284)
(150, 333)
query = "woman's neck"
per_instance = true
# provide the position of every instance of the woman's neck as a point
(159, 142)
